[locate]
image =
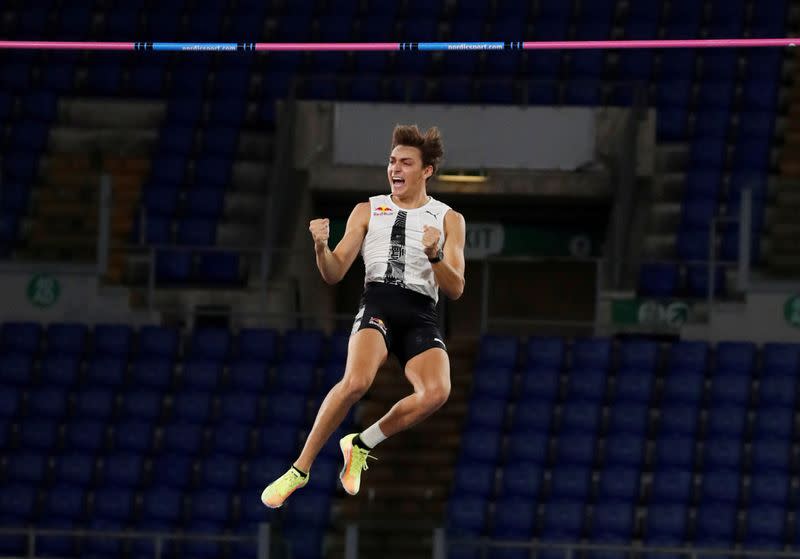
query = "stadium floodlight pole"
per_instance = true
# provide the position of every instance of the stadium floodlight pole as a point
(436, 46)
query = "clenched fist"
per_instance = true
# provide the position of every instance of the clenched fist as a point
(320, 231)
(430, 240)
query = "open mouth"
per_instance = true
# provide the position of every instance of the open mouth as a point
(398, 181)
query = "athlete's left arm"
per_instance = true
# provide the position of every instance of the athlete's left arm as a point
(450, 271)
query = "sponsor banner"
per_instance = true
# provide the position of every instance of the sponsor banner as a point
(650, 314)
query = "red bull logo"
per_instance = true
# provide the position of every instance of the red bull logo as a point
(375, 321)
(382, 210)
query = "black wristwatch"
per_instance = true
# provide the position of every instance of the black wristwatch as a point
(437, 258)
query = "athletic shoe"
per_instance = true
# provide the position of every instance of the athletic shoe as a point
(280, 489)
(355, 460)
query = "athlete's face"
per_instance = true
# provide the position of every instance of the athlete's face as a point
(405, 171)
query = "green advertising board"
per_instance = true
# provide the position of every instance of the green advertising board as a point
(648, 313)
(791, 310)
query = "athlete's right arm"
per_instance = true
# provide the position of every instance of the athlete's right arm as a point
(333, 264)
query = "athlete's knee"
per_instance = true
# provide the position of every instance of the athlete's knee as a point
(354, 386)
(434, 397)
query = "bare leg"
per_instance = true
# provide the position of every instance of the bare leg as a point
(429, 373)
(366, 352)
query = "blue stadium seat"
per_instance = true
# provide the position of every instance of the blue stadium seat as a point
(9, 402)
(697, 213)
(287, 407)
(26, 466)
(220, 471)
(723, 452)
(183, 437)
(774, 422)
(688, 355)
(589, 384)
(533, 414)
(177, 138)
(698, 280)
(612, 521)
(721, 486)
(214, 172)
(162, 503)
(466, 516)
(196, 231)
(498, 351)
(18, 501)
(160, 200)
(486, 413)
(624, 449)
(540, 383)
(730, 388)
(106, 371)
(526, 446)
(153, 372)
(671, 485)
(715, 521)
(666, 520)
(765, 527)
(727, 420)
(480, 444)
(770, 454)
(703, 183)
(514, 518)
(619, 483)
(94, 403)
(676, 450)
(22, 337)
(87, 435)
(123, 469)
(193, 406)
(240, 406)
(544, 352)
(777, 389)
(591, 353)
(522, 479)
(172, 470)
(59, 370)
(16, 368)
(258, 343)
(629, 417)
(735, 356)
(212, 504)
(134, 435)
(38, 433)
(571, 482)
(303, 346)
(75, 468)
(781, 358)
(576, 448)
(770, 487)
(634, 384)
(493, 382)
(48, 402)
(158, 340)
(474, 478)
(201, 374)
(66, 338)
(205, 202)
(113, 503)
(298, 377)
(563, 520)
(581, 415)
(248, 374)
(683, 386)
(142, 404)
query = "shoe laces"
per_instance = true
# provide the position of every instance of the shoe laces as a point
(360, 456)
(288, 481)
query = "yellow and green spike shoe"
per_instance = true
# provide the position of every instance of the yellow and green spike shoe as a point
(280, 489)
(355, 460)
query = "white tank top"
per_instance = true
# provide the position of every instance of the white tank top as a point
(392, 249)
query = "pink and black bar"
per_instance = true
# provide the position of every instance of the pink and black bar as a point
(449, 46)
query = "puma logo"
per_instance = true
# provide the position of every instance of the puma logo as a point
(433, 214)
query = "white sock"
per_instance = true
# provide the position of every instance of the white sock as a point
(372, 435)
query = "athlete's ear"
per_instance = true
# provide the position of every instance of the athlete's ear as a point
(428, 171)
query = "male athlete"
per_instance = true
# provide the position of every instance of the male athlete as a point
(412, 245)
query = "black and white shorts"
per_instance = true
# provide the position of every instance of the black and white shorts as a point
(408, 320)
